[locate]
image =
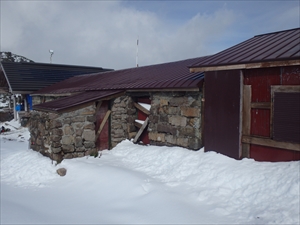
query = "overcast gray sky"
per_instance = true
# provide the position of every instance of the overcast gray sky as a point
(104, 33)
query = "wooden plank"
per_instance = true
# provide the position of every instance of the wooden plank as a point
(246, 118)
(246, 66)
(138, 125)
(270, 143)
(139, 107)
(141, 130)
(102, 124)
(261, 105)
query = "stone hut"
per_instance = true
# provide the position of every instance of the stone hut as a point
(157, 105)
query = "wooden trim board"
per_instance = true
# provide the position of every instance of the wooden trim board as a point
(270, 143)
(144, 110)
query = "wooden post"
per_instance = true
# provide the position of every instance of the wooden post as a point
(14, 105)
(246, 119)
(25, 104)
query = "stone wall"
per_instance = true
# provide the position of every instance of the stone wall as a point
(63, 136)
(123, 114)
(175, 119)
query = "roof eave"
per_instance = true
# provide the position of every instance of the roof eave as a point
(255, 65)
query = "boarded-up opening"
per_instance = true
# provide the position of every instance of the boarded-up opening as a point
(144, 137)
(286, 125)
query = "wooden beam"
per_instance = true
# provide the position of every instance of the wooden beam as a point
(141, 130)
(261, 105)
(270, 143)
(246, 66)
(102, 124)
(138, 125)
(144, 110)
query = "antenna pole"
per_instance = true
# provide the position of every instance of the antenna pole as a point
(137, 52)
(51, 53)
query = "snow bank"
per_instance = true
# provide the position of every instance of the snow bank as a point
(144, 184)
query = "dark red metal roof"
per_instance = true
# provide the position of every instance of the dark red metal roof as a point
(277, 46)
(173, 75)
(62, 104)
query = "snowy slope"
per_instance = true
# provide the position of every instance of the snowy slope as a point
(144, 184)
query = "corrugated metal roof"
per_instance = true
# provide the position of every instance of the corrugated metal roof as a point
(277, 46)
(173, 75)
(62, 104)
(24, 77)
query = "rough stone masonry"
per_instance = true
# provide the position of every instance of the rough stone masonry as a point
(63, 136)
(175, 119)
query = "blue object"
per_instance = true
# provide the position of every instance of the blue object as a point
(29, 101)
(19, 107)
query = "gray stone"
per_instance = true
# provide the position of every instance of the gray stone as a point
(68, 130)
(68, 156)
(55, 138)
(57, 157)
(195, 143)
(68, 148)
(78, 119)
(78, 142)
(89, 135)
(91, 119)
(67, 121)
(89, 144)
(67, 140)
(78, 132)
(55, 124)
(89, 126)
(55, 144)
(55, 150)
(177, 121)
(80, 149)
(57, 132)
(166, 128)
(187, 131)
(163, 118)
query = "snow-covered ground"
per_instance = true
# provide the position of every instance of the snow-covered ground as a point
(134, 184)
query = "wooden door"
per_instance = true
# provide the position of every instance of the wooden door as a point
(222, 112)
(102, 141)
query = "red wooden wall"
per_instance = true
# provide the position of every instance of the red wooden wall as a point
(261, 81)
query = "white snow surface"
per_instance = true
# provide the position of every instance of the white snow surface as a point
(140, 121)
(134, 184)
(145, 105)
